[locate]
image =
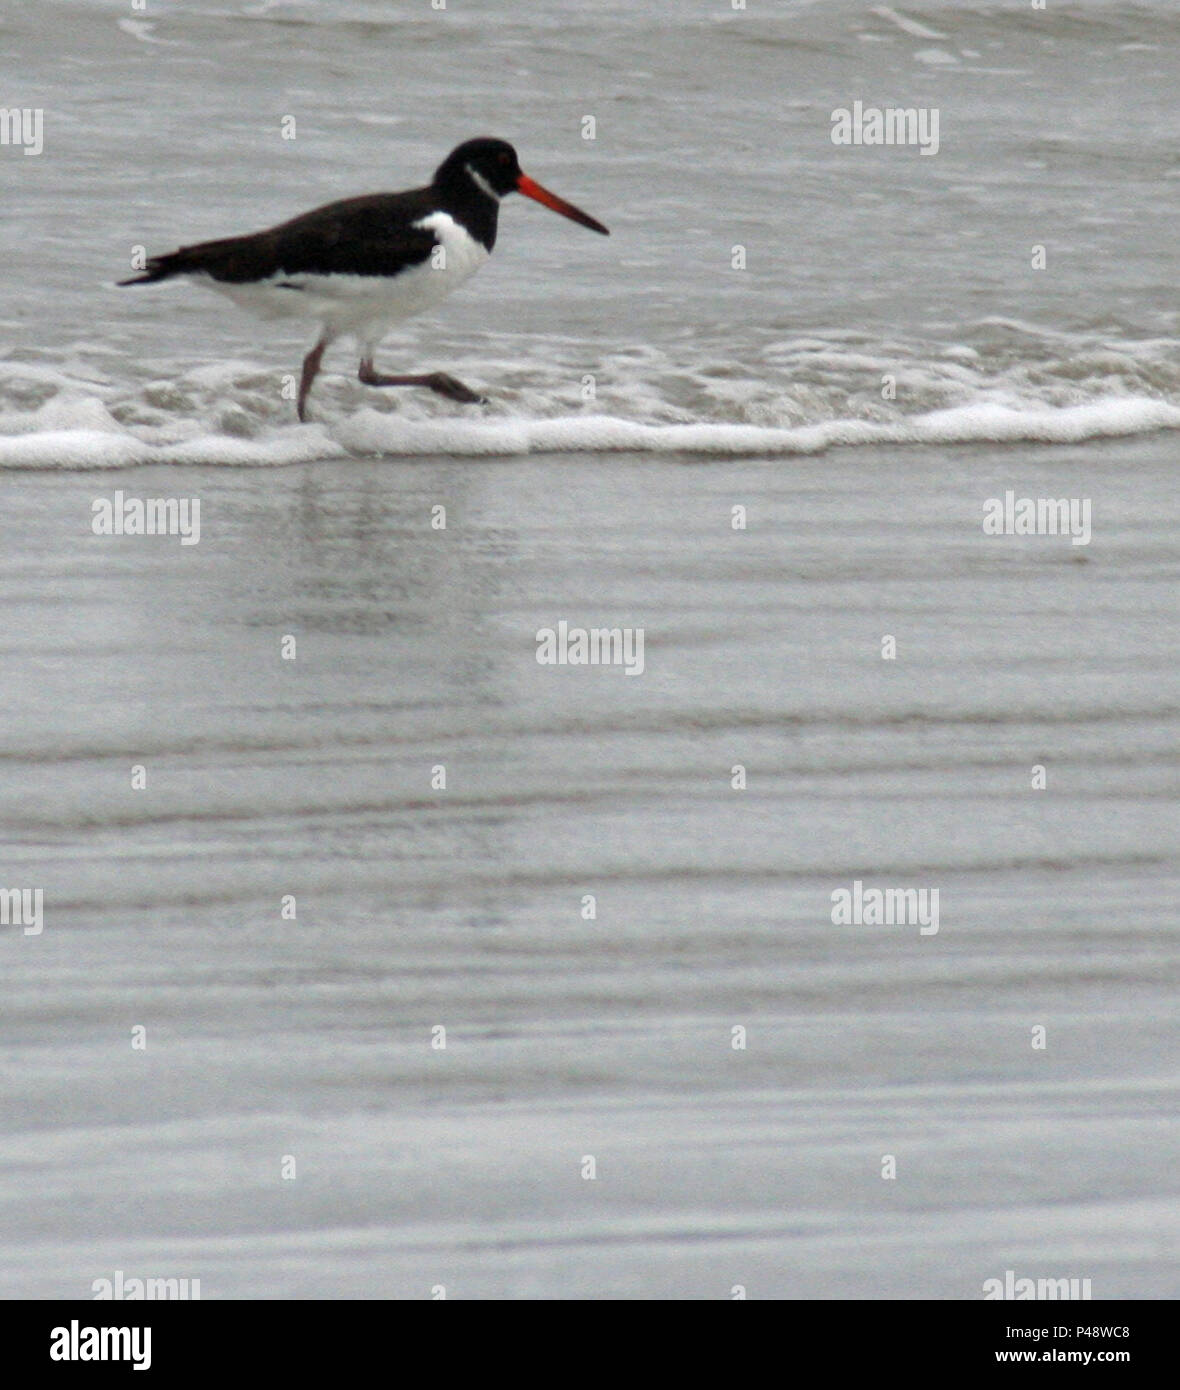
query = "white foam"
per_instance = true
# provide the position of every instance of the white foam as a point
(86, 449)
(374, 433)
(102, 443)
(141, 29)
(905, 24)
(935, 57)
(72, 449)
(1010, 382)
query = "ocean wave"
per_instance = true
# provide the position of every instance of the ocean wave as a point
(373, 433)
(1012, 383)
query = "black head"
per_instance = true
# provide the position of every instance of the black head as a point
(491, 161)
(490, 168)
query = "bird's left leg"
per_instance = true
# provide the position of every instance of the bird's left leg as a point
(437, 381)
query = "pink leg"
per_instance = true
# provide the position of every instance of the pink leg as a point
(437, 381)
(311, 366)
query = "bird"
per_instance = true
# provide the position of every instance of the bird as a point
(360, 265)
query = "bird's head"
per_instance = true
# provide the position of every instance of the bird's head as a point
(491, 167)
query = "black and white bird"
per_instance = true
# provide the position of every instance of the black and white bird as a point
(361, 265)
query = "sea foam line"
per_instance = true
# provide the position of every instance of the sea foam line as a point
(370, 432)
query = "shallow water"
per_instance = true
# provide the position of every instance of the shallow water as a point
(462, 907)
(416, 647)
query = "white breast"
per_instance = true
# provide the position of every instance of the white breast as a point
(463, 255)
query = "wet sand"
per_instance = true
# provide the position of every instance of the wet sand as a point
(464, 908)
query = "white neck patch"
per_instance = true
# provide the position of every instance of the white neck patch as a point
(481, 183)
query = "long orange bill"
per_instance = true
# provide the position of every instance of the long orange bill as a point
(533, 190)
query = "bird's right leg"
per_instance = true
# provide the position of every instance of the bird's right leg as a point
(311, 366)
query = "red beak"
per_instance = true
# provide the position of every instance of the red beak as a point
(533, 190)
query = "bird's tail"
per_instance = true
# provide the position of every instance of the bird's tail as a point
(160, 268)
(214, 258)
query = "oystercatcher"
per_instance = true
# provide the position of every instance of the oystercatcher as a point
(361, 265)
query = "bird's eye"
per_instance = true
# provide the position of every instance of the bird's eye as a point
(505, 159)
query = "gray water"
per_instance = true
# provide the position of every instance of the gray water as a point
(310, 1039)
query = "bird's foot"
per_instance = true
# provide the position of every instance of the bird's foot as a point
(454, 390)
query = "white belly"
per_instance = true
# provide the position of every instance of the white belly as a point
(366, 306)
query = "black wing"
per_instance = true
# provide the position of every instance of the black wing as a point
(370, 235)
